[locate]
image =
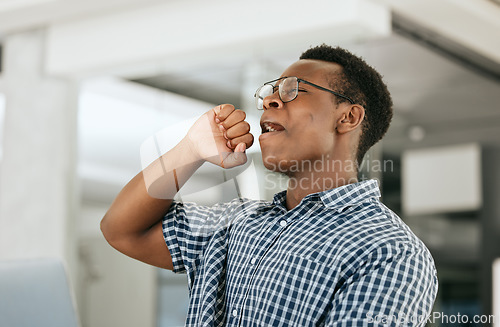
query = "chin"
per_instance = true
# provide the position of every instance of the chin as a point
(270, 161)
(275, 163)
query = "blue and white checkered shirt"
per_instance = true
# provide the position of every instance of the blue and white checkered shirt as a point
(340, 258)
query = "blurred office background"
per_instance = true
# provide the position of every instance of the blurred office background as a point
(84, 83)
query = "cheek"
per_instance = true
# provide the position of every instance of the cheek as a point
(316, 145)
(315, 137)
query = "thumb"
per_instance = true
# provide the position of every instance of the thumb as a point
(236, 158)
(241, 148)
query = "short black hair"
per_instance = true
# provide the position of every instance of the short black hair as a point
(362, 83)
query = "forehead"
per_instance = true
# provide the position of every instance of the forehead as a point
(313, 70)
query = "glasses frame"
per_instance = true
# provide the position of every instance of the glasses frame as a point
(299, 80)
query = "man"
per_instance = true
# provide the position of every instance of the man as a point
(325, 252)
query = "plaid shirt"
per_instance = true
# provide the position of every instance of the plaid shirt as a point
(340, 258)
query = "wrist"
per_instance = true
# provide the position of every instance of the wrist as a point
(189, 151)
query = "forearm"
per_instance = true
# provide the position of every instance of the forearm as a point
(133, 223)
(144, 201)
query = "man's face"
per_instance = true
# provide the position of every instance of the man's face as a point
(305, 126)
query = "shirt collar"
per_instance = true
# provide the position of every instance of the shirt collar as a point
(350, 194)
(280, 199)
(339, 197)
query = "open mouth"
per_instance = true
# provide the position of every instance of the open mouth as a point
(268, 127)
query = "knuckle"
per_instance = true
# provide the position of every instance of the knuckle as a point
(241, 113)
(228, 108)
(225, 110)
(245, 129)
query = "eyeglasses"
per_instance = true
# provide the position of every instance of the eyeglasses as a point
(288, 90)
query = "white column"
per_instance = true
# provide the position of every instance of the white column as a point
(37, 173)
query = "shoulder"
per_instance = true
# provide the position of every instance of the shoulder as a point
(372, 231)
(236, 208)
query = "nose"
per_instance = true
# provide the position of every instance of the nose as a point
(273, 101)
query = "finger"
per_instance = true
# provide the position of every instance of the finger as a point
(234, 159)
(239, 129)
(235, 117)
(223, 131)
(247, 139)
(214, 113)
(224, 111)
(241, 147)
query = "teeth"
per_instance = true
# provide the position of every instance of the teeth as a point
(269, 128)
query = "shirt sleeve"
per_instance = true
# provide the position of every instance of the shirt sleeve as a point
(187, 229)
(395, 289)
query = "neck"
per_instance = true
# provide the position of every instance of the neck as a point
(322, 176)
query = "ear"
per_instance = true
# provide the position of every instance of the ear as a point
(351, 119)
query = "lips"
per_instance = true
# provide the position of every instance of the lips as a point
(269, 127)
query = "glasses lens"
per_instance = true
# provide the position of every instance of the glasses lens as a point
(288, 89)
(264, 91)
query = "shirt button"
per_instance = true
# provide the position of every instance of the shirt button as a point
(253, 261)
(235, 313)
(283, 223)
